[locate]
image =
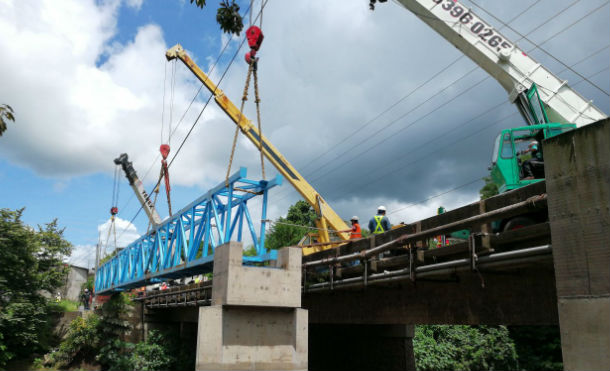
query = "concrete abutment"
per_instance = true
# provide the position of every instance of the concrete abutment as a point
(577, 169)
(255, 321)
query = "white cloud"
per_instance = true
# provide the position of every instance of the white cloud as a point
(136, 4)
(82, 256)
(122, 230)
(326, 68)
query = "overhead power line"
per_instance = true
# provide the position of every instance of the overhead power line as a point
(202, 110)
(338, 165)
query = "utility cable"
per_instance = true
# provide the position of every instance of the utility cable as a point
(438, 195)
(379, 178)
(462, 125)
(224, 48)
(197, 119)
(403, 98)
(459, 126)
(370, 148)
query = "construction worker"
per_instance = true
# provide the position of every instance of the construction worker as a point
(85, 296)
(355, 231)
(379, 223)
(533, 168)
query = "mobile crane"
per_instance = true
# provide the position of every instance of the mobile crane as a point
(327, 217)
(138, 188)
(548, 105)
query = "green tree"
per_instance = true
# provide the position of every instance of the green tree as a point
(489, 189)
(288, 231)
(227, 16)
(443, 347)
(538, 347)
(6, 114)
(31, 262)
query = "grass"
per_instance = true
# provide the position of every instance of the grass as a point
(63, 305)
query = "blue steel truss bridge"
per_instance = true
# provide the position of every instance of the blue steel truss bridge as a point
(183, 245)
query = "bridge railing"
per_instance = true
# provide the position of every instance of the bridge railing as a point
(184, 244)
(408, 248)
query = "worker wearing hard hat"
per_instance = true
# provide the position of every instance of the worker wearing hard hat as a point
(355, 231)
(534, 166)
(379, 223)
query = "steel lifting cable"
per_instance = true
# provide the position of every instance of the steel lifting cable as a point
(200, 113)
(254, 35)
(257, 100)
(244, 98)
(165, 148)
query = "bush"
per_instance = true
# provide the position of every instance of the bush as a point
(152, 355)
(442, 347)
(81, 342)
(31, 261)
(115, 356)
(63, 305)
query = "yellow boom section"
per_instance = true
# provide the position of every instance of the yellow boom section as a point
(327, 218)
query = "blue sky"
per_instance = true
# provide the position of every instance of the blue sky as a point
(88, 84)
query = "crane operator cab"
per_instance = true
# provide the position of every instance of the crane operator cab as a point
(518, 155)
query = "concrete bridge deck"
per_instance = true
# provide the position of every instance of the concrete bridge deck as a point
(548, 273)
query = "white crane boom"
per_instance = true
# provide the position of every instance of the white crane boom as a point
(504, 61)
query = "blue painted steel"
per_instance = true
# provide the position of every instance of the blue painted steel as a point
(176, 247)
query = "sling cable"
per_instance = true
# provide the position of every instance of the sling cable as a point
(165, 148)
(255, 36)
(113, 211)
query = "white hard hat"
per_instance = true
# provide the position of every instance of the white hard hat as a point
(381, 208)
(354, 218)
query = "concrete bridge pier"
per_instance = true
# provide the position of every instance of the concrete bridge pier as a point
(577, 169)
(255, 321)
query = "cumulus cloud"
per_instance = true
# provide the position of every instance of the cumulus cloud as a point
(136, 4)
(327, 72)
(124, 232)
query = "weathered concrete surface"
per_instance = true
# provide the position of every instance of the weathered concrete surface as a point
(577, 169)
(235, 284)
(255, 322)
(361, 347)
(252, 338)
(516, 296)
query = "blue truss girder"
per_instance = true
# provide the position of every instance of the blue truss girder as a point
(184, 244)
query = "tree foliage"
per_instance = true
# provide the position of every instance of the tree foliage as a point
(6, 114)
(31, 262)
(489, 189)
(538, 347)
(290, 233)
(443, 347)
(227, 16)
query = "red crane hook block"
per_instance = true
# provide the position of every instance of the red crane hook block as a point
(255, 37)
(164, 149)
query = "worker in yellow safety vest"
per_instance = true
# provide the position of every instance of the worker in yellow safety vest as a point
(379, 223)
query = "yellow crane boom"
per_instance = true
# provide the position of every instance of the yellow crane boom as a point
(327, 217)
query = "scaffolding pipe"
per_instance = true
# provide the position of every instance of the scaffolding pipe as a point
(427, 270)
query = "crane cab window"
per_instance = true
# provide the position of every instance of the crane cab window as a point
(536, 105)
(507, 146)
(494, 155)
